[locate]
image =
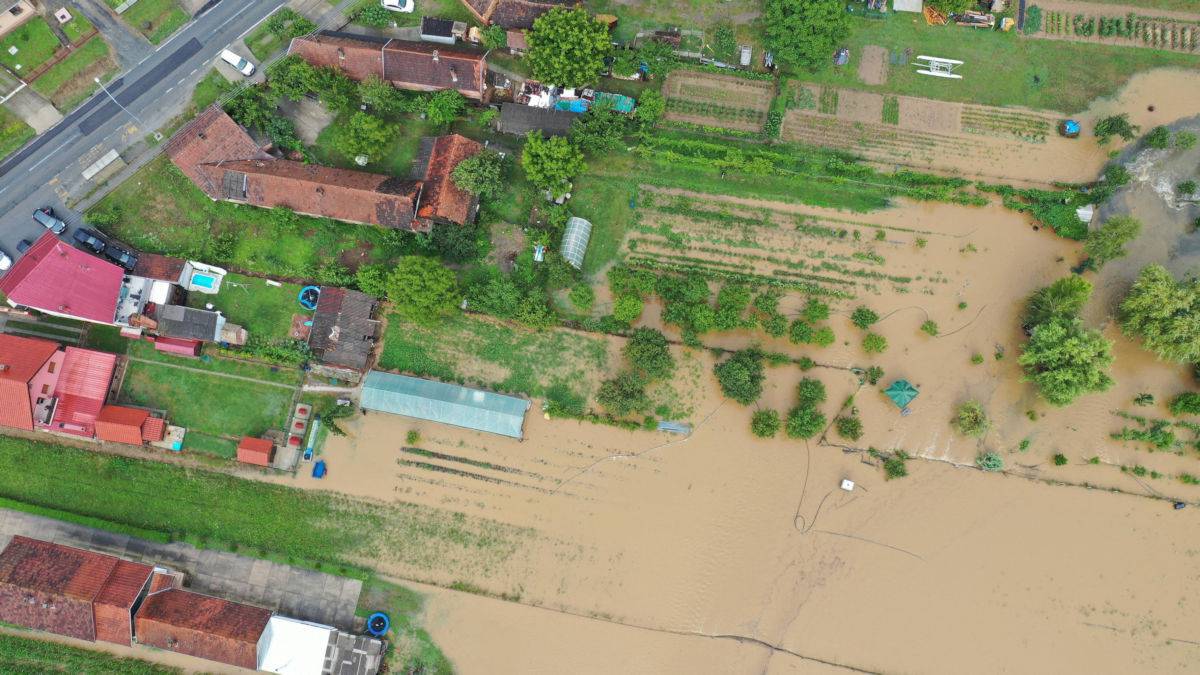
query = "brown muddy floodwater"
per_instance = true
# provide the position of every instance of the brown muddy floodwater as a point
(722, 553)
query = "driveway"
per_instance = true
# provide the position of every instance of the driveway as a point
(35, 110)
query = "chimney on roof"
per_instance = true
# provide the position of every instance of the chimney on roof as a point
(320, 189)
(341, 54)
(435, 56)
(202, 136)
(3, 367)
(453, 74)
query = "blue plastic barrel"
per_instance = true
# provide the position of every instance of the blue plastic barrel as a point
(378, 624)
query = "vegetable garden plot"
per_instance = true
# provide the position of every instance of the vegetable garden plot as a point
(712, 99)
(764, 246)
(1133, 29)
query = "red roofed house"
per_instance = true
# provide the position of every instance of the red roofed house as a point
(57, 278)
(415, 66)
(70, 591)
(133, 426)
(28, 373)
(255, 451)
(80, 391)
(202, 626)
(513, 13)
(442, 200)
(239, 171)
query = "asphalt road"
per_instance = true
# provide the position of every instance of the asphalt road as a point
(49, 170)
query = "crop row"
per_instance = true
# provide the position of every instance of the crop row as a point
(781, 279)
(1161, 33)
(1027, 127)
(870, 138)
(714, 111)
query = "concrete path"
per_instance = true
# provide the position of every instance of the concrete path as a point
(129, 45)
(298, 593)
(243, 378)
(35, 110)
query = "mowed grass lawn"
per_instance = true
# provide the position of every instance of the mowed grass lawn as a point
(77, 27)
(160, 210)
(263, 519)
(71, 80)
(14, 132)
(394, 159)
(215, 407)
(999, 68)
(477, 351)
(263, 310)
(156, 19)
(19, 654)
(35, 45)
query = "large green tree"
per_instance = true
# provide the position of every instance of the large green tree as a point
(363, 134)
(1165, 314)
(1066, 360)
(649, 354)
(480, 174)
(551, 163)
(422, 289)
(567, 47)
(1063, 298)
(1107, 242)
(741, 376)
(445, 106)
(292, 77)
(805, 32)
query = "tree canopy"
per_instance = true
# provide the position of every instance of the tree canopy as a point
(422, 289)
(1063, 298)
(480, 174)
(1107, 242)
(741, 376)
(805, 32)
(648, 352)
(1066, 360)
(445, 106)
(551, 163)
(363, 134)
(1115, 125)
(567, 47)
(1165, 314)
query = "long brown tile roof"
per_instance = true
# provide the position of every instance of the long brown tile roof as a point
(342, 194)
(205, 614)
(72, 572)
(430, 66)
(358, 56)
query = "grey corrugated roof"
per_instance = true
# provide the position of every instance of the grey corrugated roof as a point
(445, 403)
(520, 119)
(188, 322)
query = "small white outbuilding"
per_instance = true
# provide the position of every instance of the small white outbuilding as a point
(293, 647)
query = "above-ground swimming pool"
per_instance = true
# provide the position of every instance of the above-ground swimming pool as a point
(200, 280)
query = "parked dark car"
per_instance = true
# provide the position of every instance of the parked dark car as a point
(24, 245)
(45, 217)
(120, 256)
(89, 239)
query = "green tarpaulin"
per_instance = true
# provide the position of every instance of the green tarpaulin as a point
(445, 403)
(902, 393)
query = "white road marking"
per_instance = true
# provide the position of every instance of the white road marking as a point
(239, 13)
(49, 155)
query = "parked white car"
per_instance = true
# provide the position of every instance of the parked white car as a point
(242, 65)
(5, 261)
(398, 5)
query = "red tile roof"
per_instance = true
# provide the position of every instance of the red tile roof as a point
(517, 40)
(255, 451)
(81, 390)
(442, 199)
(426, 66)
(212, 137)
(125, 584)
(358, 56)
(52, 568)
(201, 625)
(159, 267)
(177, 346)
(341, 194)
(57, 277)
(513, 13)
(154, 429)
(22, 358)
(420, 66)
(120, 424)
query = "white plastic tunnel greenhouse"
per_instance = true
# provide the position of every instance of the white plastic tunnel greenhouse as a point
(575, 241)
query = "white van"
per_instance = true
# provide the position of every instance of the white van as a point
(243, 66)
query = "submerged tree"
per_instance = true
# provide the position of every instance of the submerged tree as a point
(1165, 314)
(1116, 125)
(1107, 242)
(1064, 298)
(741, 376)
(1066, 360)
(970, 419)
